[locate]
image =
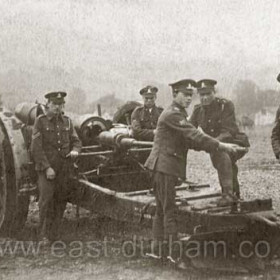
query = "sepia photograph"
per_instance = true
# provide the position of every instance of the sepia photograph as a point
(139, 139)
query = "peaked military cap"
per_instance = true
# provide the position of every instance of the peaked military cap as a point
(149, 90)
(186, 85)
(205, 84)
(56, 97)
(278, 78)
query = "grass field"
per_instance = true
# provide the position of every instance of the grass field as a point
(259, 171)
(259, 177)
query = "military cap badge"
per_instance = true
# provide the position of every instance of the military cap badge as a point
(205, 85)
(183, 122)
(149, 90)
(56, 97)
(186, 86)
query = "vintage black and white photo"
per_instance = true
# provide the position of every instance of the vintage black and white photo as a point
(139, 139)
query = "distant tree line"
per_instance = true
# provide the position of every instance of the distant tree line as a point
(249, 98)
(18, 86)
(76, 101)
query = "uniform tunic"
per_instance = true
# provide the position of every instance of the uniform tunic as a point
(167, 161)
(144, 122)
(218, 120)
(52, 140)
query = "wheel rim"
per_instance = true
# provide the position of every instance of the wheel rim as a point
(3, 195)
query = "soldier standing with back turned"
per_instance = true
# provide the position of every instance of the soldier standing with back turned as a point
(54, 141)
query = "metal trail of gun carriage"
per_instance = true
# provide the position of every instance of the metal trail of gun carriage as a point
(110, 180)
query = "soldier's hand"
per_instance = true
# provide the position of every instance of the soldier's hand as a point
(73, 154)
(50, 173)
(228, 147)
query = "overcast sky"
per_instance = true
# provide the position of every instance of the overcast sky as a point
(118, 46)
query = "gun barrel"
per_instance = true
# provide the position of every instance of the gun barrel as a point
(117, 138)
(129, 142)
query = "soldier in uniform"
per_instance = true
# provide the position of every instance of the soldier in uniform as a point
(144, 118)
(216, 117)
(54, 141)
(167, 163)
(275, 136)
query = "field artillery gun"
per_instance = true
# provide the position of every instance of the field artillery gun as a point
(109, 179)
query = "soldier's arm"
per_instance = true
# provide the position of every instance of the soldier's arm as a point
(228, 123)
(76, 144)
(193, 136)
(275, 136)
(37, 150)
(140, 133)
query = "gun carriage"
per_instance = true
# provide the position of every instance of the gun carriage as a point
(109, 178)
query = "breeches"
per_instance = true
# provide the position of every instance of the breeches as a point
(227, 169)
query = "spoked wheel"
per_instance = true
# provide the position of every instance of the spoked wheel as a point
(13, 208)
(3, 198)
